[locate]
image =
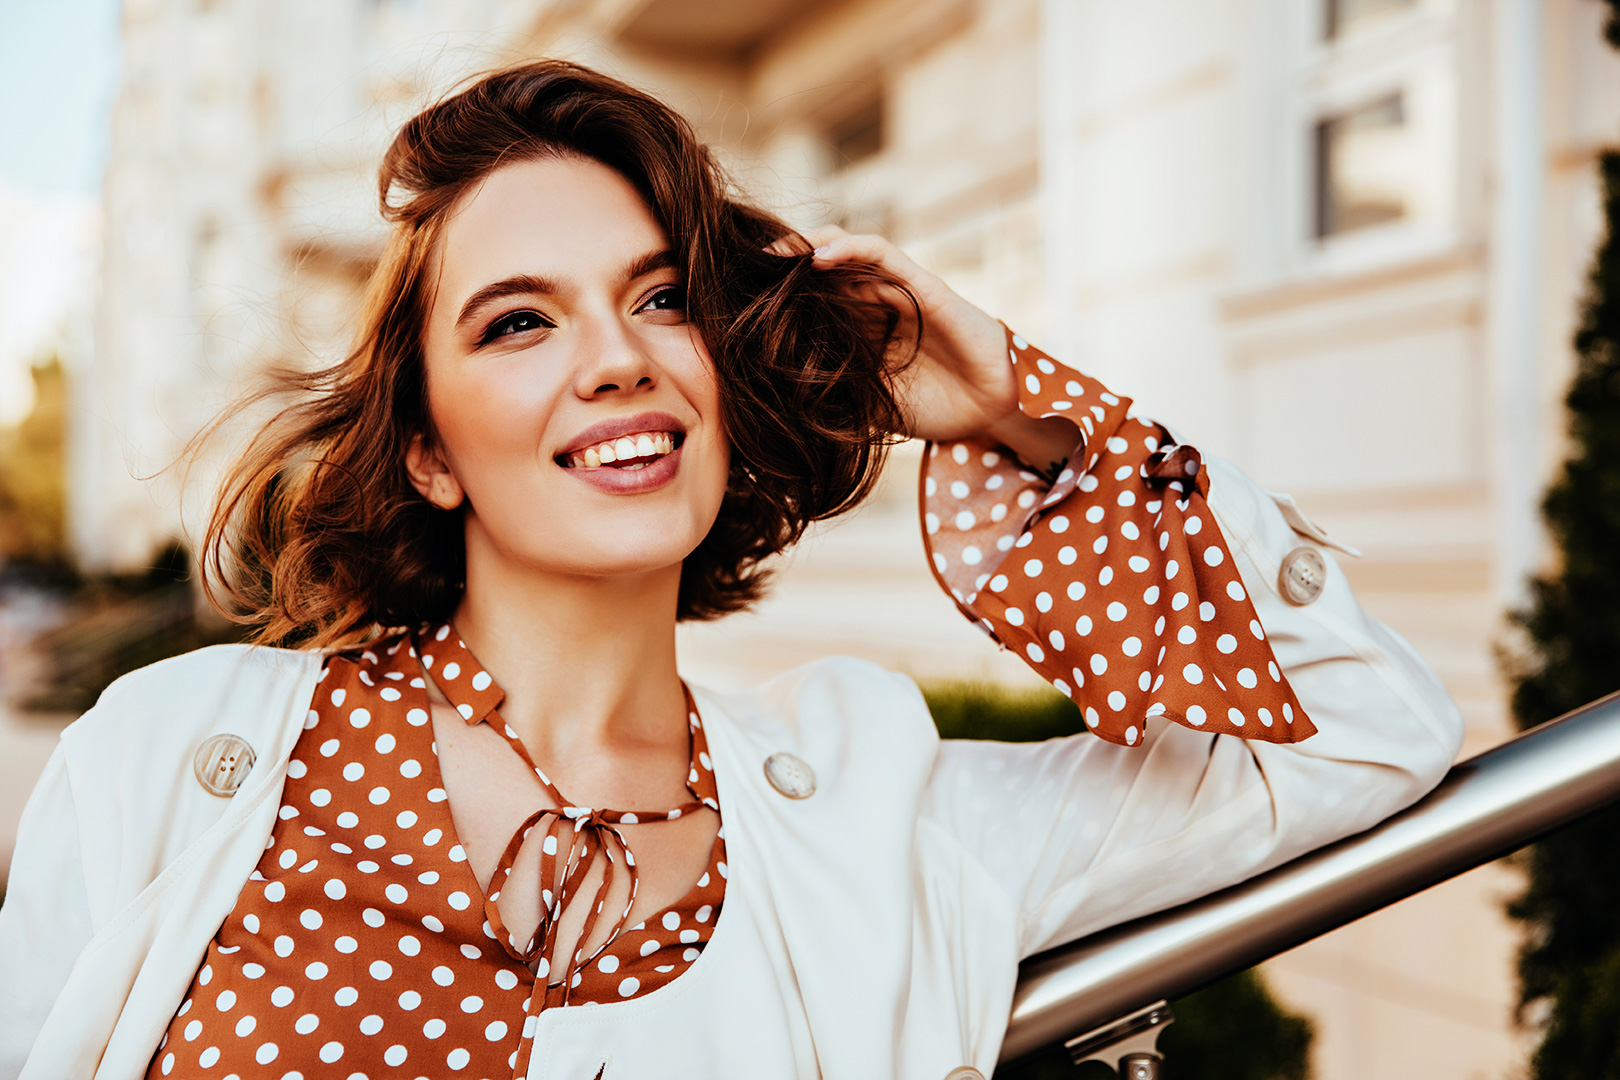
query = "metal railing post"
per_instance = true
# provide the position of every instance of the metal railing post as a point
(1486, 807)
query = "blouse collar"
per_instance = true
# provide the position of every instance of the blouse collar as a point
(459, 676)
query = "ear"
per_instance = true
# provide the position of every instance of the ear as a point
(431, 476)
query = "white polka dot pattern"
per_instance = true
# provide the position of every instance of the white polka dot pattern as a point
(356, 947)
(570, 836)
(1111, 578)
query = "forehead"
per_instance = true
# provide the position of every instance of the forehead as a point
(565, 218)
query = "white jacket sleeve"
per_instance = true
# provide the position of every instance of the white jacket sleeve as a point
(45, 923)
(1109, 832)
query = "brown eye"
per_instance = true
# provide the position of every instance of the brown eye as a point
(518, 322)
(669, 298)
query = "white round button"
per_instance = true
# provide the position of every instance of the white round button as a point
(1303, 574)
(222, 762)
(789, 775)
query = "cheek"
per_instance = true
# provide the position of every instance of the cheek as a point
(704, 393)
(491, 415)
(700, 384)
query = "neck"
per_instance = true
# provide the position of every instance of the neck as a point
(585, 661)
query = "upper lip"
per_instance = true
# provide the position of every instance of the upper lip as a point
(623, 425)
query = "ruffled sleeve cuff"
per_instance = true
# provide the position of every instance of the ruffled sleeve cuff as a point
(1111, 579)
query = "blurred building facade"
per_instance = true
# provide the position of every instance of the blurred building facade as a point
(1339, 241)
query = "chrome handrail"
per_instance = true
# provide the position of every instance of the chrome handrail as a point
(1486, 807)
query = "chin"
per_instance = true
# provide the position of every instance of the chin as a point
(615, 551)
(559, 533)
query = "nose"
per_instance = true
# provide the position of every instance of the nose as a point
(612, 361)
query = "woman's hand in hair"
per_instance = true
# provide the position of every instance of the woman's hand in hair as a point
(961, 383)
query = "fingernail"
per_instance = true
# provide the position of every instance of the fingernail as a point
(821, 250)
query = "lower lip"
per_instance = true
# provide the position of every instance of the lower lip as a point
(631, 481)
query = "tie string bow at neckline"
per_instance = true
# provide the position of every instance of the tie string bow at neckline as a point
(595, 833)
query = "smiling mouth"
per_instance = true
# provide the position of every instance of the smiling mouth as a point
(627, 452)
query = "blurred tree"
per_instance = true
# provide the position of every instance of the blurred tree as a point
(33, 488)
(116, 623)
(1570, 962)
(1231, 1030)
(1235, 1030)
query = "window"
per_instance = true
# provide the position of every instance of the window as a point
(1365, 159)
(1343, 18)
(857, 134)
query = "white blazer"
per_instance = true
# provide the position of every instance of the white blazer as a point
(871, 930)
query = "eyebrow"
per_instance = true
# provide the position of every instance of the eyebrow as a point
(518, 284)
(532, 285)
(646, 264)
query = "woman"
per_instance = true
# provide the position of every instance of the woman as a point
(475, 824)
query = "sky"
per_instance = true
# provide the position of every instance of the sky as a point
(58, 72)
(58, 76)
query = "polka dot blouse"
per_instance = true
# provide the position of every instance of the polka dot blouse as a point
(362, 943)
(1111, 578)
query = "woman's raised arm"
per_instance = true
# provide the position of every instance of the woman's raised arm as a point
(1074, 532)
(1082, 833)
(1200, 623)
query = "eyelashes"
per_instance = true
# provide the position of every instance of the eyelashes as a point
(673, 295)
(666, 298)
(516, 322)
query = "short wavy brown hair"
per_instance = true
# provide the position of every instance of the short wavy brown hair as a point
(318, 538)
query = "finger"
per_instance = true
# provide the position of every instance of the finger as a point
(822, 235)
(854, 247)
(794, 243)
(788, 245)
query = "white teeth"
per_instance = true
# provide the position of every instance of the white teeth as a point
(630, 448)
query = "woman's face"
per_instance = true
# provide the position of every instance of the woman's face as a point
(576, 410)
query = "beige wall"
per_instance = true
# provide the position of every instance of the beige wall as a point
(1129, 184)
(1154, 222)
